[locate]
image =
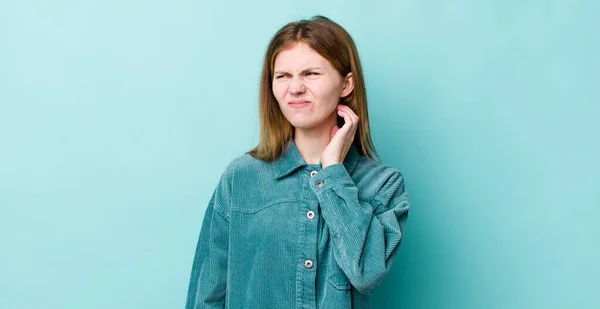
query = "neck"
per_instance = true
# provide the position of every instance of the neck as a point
(311, 142)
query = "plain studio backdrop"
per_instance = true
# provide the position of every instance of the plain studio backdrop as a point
(117, 118)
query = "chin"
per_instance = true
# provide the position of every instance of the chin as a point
(302, 126)
(305, 125)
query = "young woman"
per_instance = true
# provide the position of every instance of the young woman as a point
(306, 219)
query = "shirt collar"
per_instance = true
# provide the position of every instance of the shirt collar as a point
(291, 159)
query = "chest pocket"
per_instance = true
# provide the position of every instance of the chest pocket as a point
(336, 276)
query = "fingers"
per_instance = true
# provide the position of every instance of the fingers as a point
(350, 112)
(344, 114)
(349, 116)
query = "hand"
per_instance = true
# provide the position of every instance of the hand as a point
(341, 138)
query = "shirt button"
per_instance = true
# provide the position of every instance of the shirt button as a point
(310, 214)
(308, 264)
(319, 183)
(313, 173)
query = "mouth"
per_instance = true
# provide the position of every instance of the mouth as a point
(299, 103)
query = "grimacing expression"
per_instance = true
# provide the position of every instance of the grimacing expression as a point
(302, 75)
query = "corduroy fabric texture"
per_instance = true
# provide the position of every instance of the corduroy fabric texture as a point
(287, 234)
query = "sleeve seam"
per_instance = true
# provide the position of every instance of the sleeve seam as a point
(218, 212)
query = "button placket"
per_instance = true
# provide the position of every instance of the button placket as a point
(308, 264)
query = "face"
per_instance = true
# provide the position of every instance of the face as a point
(307, 87)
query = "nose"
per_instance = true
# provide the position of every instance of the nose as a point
(296, 86)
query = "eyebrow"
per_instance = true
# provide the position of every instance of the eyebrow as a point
(303, 71)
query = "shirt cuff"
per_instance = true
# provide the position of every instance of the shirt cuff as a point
(330, 177)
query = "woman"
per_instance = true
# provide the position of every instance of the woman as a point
(307, 219)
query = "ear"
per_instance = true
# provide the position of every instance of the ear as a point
(348, 85)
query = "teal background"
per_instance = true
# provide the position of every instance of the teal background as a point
(117, 118)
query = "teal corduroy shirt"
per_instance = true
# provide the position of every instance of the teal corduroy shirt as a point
(287, 234)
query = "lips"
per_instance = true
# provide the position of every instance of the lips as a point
(299, 103)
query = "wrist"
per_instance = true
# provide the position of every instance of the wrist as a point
(326, 164)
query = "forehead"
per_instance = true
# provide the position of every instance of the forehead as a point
(298, 57)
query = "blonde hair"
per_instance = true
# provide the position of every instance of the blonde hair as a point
(333, 43)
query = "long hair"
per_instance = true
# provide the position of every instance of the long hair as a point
(333, 43)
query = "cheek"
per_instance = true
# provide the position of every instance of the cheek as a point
(279, 90)
(325, 91)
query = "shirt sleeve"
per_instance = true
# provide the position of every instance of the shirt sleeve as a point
(365, 235)
(208, 278)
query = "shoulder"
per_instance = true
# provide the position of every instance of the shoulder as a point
(235, 170)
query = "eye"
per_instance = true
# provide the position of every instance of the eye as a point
(312, 73)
